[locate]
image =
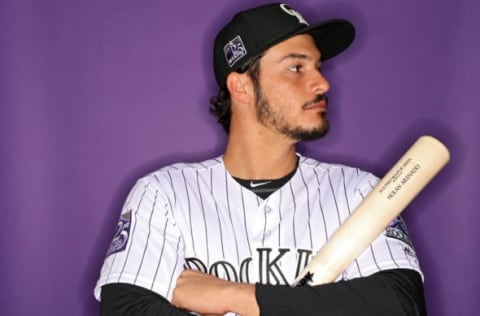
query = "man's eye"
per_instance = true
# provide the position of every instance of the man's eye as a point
(295, 68)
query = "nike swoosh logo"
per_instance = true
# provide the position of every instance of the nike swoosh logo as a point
(258, 184)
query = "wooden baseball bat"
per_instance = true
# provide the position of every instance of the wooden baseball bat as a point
(420, 163)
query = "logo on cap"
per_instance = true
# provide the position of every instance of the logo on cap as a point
(234, 50)
(286, 8)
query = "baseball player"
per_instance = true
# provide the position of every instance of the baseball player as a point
(228, 235)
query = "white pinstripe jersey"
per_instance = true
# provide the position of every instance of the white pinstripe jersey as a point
(198, 216)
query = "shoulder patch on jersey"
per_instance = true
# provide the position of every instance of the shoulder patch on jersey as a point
(398, 230)
(122, 232)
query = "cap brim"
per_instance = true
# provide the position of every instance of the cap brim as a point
(331, 37)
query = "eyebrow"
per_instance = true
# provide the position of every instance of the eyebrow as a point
(298, 56)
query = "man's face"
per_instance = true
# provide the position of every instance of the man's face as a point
(290, 93)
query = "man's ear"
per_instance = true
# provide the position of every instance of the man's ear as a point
(240, 86)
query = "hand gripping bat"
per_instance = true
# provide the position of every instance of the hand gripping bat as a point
(420, 163)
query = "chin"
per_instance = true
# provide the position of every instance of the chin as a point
(314, 135)
(306, 134)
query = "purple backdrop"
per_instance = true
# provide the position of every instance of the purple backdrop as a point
(94, 94)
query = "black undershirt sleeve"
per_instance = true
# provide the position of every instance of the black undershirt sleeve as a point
(397, 292)
(392, 292)
(120, 299)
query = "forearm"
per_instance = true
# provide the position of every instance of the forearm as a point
(205, 294)
(395, 292)
(120, 299)
(241, 300)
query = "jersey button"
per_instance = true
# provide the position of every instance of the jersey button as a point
(268, 209)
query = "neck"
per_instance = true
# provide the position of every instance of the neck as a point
(249, 156)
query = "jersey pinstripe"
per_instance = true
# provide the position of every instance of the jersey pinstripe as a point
(197, 216)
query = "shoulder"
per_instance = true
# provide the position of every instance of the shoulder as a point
(337, 172)
(321, 166)
(192, 166)
(175, 180)
(181, 170)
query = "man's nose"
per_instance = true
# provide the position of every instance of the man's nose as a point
(319, 84)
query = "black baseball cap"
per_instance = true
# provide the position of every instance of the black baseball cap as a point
(253, 31)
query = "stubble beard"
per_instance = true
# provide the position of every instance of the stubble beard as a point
(269, 117)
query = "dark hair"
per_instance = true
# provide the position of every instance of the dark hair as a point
(220, 104)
